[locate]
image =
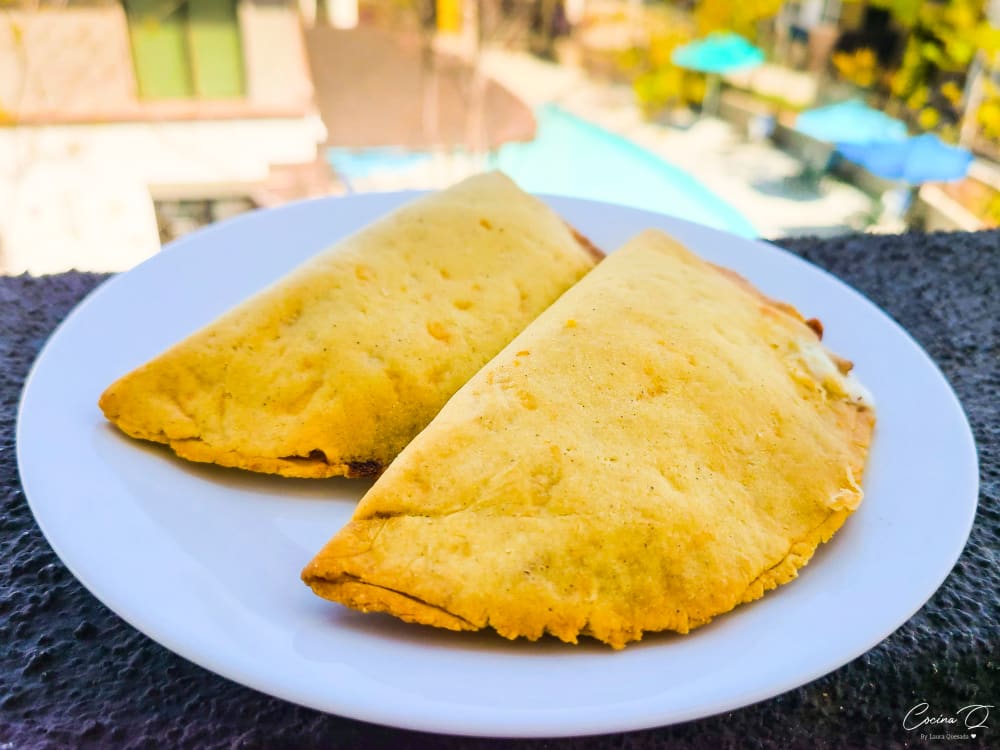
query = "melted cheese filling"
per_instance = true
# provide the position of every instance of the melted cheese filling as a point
(818, 363)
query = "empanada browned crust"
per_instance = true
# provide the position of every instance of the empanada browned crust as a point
(660, 445)
(334, 368)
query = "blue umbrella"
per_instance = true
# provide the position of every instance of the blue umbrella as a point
(850, 122)
(719, 52)
(923, 158)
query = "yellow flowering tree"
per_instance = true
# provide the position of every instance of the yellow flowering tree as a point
(743, 17)
(657, 82)
(943, 42)
(858, 67)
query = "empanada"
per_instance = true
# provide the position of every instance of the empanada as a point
(334, 368)
(660, 445)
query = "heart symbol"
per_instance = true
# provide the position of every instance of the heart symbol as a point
(973, 735)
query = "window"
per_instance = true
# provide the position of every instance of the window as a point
(185, 49)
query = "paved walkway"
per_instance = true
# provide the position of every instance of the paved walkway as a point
(754, 177)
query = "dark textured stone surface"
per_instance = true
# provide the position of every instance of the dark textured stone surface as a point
(73, 675)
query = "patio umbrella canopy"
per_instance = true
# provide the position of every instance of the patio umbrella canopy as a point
(850, 122)
(719, 52)
(923, 158)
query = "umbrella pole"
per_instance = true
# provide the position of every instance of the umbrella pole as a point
(713, 88)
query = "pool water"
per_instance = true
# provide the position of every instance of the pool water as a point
(360, 163)
(570, 156)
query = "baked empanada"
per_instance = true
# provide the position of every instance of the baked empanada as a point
(662, 444)
(335, 367)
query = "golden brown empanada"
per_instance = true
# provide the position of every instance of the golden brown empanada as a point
(660, 445)
(334, 368)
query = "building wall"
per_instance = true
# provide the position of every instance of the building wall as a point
(274, 54)
(65, 62)
(74, 64)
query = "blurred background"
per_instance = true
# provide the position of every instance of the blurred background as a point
(125, 124)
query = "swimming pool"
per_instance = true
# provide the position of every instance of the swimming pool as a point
(570, 156)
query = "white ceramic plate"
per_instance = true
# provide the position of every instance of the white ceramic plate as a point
(206, 561)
